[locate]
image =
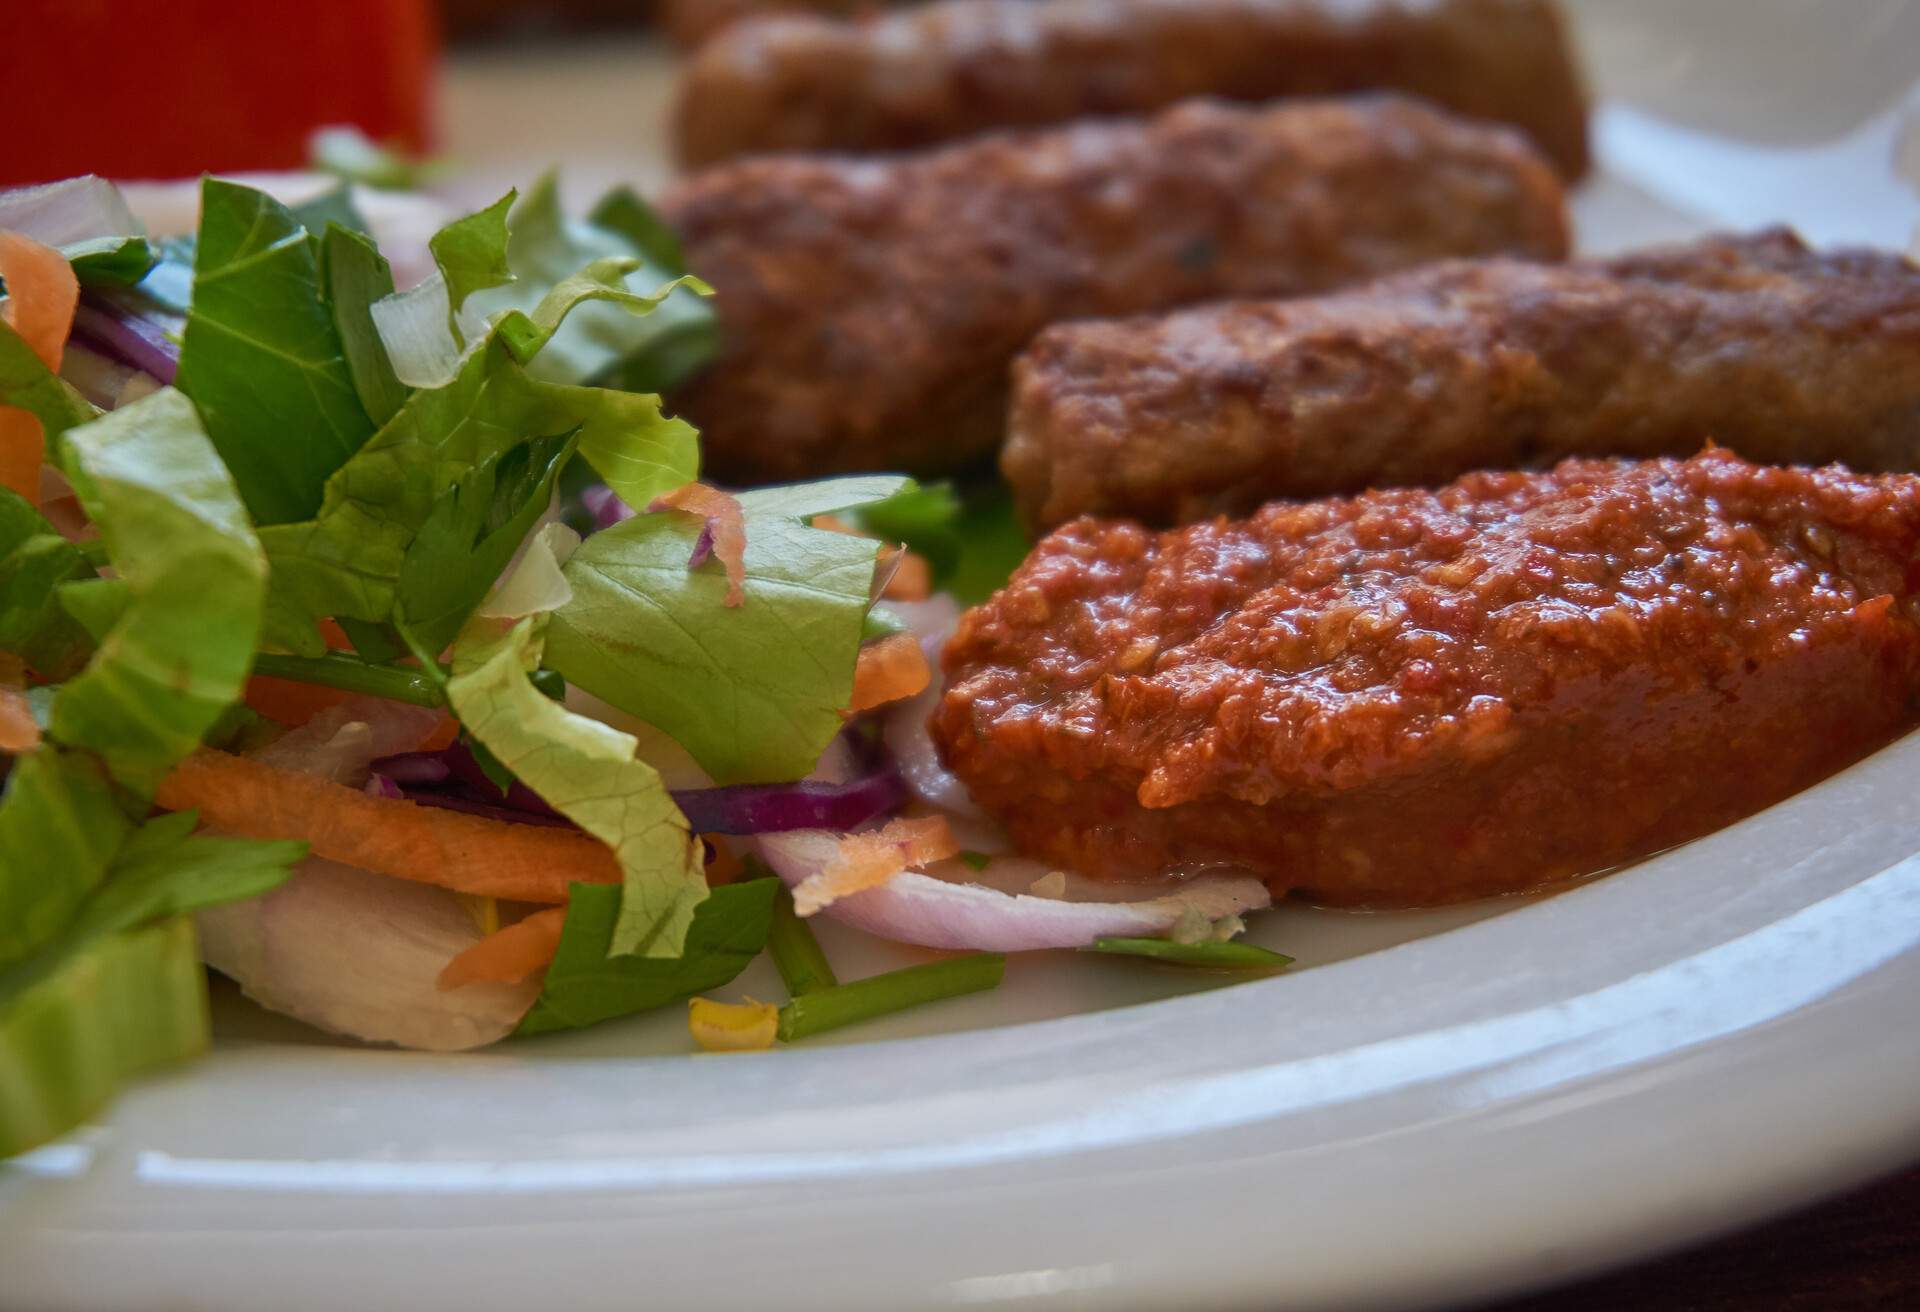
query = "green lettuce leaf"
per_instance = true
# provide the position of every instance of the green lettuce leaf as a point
(333, 206)
(60, 826)
(753, 692)
(472, 254)
(585, 985)
(118, 988)
(28, 385)
(599, 343)
(261, 356)
(350, 155)
(172, 523)
(357, 276)
(347, 561)
(133, 1001)
(35, 561)
(472, 536)
(587, 771)
(970, 535)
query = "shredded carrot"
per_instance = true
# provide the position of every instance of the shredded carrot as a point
(835, 524)
(871, 859)
(726, 528)
(442, 736)
(912, 579)
(19, 731)
(724, 866)
(288, 701)
(887, 671)
(508, 955)
(389, 836)
(41, 294)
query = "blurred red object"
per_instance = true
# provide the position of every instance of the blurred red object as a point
(133, 89)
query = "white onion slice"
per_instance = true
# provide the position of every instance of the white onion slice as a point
(904, 729)
(341, 742)
(360, 954)
(946, 913)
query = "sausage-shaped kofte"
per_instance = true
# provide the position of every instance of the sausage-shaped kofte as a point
(954, 69)
(1786, 355)
(869, 307)
(1411, 697)
(688, 23)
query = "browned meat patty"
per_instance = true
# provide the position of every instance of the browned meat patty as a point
(690, 22)
(962, 67)
(1786, 355)
(1411, 697)
(869, 307)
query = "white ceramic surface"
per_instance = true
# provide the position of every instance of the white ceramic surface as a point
(1433, 1108)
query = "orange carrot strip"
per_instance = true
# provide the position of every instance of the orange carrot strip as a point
(288, 701)
(724, 866)
(389, 836)
(726, 524)
(41, 294)
(912, 579)
(508, 955)
(442, 736)
(19, 731)
(871, 859)
(887, 671)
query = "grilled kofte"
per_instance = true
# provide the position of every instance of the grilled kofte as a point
(954, 69)
(869, 307)
(1412, 697)
(1784, 354)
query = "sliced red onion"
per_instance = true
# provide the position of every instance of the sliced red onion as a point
(605, 506)
(453, 779)
(491, 810)
(702, 546)
(771, 808)
(360, 954)
(936, 912)
(129, 329)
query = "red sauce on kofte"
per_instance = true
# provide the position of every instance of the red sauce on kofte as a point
(1411, 697)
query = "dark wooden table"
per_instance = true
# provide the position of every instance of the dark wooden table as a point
(1856, 1253)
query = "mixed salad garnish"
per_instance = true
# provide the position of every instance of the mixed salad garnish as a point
(382, 647)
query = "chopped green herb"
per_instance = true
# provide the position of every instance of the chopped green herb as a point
(975, 860)
(1204, 956)
(795, 951)
(882, 995)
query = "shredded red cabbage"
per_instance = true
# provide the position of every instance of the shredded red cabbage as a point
(453, 779)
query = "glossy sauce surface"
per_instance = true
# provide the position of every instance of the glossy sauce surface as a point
(1413, 697)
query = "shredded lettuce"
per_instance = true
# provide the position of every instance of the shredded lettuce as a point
(587, 771)
(753, 692)
(194, 577)
(29, 385)
(347, 561)
(134, 1001)
(98, 974)
(472, 536)
(261, 356)
(471, 253)
(35, 561)
(494, 270)
(356, 277)
(350, 155)
(971, 535)
(585, 985)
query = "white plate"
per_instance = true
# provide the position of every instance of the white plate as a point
(1433, 1108)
